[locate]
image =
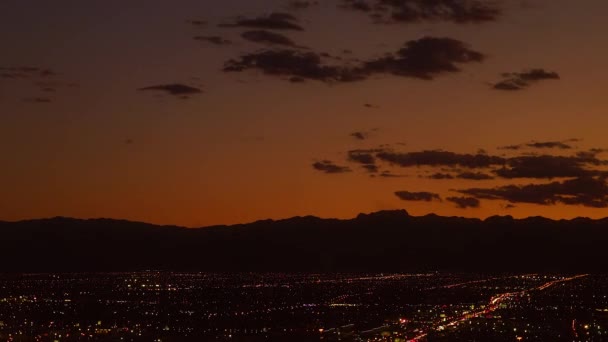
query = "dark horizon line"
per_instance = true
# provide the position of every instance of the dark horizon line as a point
(402, 212)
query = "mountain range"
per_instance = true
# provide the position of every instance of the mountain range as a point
(385, 241)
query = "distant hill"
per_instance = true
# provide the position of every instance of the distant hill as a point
(382, 241)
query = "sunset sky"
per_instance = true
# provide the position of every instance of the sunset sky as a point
(199, 112)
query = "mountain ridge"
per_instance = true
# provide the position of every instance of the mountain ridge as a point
(402, 212)
(373, 242)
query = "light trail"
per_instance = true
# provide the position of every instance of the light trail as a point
(449, 286)
(493, 305)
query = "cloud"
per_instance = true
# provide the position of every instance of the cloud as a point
(327, 166)
(302, 4)
(518, 81)
(44, 79)
(409, 11)
(585, 191)
(274, 21)
(388, 174)
(217, 40)
(464, 202)
(359, 5)
(463, 175)
(425, 58)
(267, 37)
(474, 176)
(361, 156)
(511, 147)
(550, 144)
(536, 75)
(359, 135)
(174, 89)
(371, 168)
(440, 175)
(297, 66)
(440, 158)
(26, 72)
(562, 145)
(483, 166)
(417, 196)
(548, 166)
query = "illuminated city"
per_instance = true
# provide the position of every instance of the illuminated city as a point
(161, 306)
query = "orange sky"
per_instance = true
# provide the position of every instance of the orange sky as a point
(243, 149)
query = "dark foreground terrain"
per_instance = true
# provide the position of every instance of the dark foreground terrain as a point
(389, 241)
(161, 306)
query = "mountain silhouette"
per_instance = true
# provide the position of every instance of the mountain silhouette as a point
(384, 241)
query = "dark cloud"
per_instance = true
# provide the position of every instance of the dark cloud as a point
(175, 89)
(548, 166)
(550, 144)
(274, 21)
(563, 145)
(361, 156)
(44, 79)
(586, 191)
(510, 85)
(425, 58)
(536, 75)
(511, 147)
(483, 166)
(417, 196)
(464, 202)
(267, 37)
(327, 166)
(519, 81)
(474, 176)
(440, 158)
(408, 11)
(462, 175)
(371, 168)
(359, 135)
(217, 40)
(440, 175)
(302, 4)
(388, 174)
(26, 72)
(296, 65)
(359, 5)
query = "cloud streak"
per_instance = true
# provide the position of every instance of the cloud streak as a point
(417, 196)
(274, 21)
(268, 38)
(327, 166)
(174, 89)
(464, 202)
(515, 81)
(585, 191)
(412, 11)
